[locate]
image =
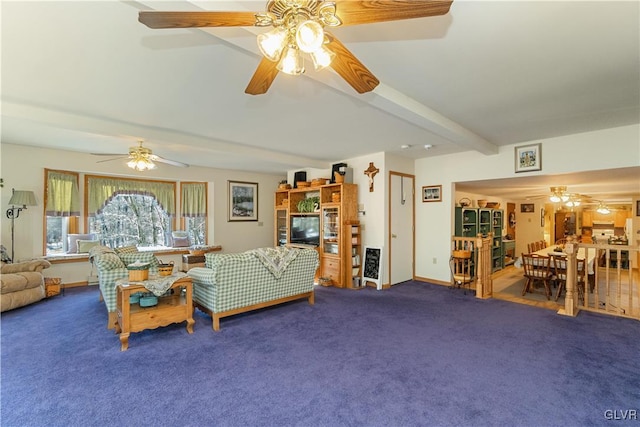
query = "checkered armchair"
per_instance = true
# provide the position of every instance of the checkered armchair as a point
(112, 265)
(234, 283)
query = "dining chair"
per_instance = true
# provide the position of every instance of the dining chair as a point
(537, 268)
(560, 275)
(559, 272)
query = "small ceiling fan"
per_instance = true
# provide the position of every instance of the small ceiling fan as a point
(298, 27)
(141, 158)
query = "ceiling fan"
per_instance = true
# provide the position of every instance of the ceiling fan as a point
(298, 27)
(141, 158)
(559, 194)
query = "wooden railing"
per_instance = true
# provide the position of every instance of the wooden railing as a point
(611, 287)
(481, 258)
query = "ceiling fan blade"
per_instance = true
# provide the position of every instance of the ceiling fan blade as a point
(156, 158)
(367, 12)
(262, 78)
(351, 69)
(110, 160)
(157, 19)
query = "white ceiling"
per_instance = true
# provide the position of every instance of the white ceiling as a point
(87, 76)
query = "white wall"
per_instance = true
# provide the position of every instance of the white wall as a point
(23, 169)
(604, 149)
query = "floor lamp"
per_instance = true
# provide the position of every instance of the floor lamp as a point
(18, 198)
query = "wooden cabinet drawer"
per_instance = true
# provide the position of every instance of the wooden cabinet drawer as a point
(331, 269)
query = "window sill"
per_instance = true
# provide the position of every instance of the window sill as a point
(66, 258)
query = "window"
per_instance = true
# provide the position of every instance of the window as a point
(131, 220)
(123, 212)
(120, 211)
(194, 211)
(62, 209)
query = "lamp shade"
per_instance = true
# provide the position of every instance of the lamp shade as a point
(23, 198)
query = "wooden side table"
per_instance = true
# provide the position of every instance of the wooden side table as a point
(174, 308)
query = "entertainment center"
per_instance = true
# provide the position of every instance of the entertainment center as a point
(326, 218)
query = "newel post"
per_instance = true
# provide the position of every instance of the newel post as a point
(570, 301)
(484, 284)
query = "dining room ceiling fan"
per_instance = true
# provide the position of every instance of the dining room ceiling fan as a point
(298, 28)
(141, 158)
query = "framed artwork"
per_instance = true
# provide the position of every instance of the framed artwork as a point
(432, 193)
(527, 207)
(542, 217)
(243, 201)
(529, 158)
(638, 208)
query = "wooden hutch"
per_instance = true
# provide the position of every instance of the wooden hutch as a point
(339, 243)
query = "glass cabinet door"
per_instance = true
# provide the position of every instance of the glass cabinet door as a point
(331, 230)
(281, 227)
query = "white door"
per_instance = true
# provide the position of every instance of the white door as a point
(401, 227)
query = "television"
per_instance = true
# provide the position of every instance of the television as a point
(305, 230)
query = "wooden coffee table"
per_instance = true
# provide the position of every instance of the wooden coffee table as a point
(175, 308)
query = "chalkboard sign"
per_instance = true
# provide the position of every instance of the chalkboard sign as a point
(372, 271)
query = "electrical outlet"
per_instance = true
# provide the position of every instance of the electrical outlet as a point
(435, 260)
(260, 224)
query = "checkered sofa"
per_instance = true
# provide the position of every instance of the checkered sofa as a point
(112, 265)
(235, 283)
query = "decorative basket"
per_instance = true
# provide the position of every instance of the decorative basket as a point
(165, 269)
(493, 205)
(324, 281)
(335, 197)
(482, 203)
(303, 184)
(461, 254)
(138, 272)
(464, 202)
(148, 300)
(196, 251)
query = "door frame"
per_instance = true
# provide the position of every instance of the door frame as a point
(413, 223)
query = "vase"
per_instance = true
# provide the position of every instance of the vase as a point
(338, 177)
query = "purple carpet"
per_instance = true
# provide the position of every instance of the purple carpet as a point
(415, 355)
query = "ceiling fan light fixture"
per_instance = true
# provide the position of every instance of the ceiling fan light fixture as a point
(603, 209)
(322, 58)
(141, 164)
(291, 62)
(309, 36)
(272, 43)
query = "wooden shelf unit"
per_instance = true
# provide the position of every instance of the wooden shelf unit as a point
(338, 210)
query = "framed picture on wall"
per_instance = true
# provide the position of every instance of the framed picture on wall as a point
(542, 217)
(432, 193)
(243, 201)
(527, 207)
(528, 158)
(638, 208)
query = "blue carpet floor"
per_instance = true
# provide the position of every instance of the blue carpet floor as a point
(415, 355)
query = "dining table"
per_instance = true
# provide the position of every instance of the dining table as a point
(590, 256)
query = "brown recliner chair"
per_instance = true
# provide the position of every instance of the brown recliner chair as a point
(22, 283)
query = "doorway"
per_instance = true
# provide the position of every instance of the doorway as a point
(401, 227)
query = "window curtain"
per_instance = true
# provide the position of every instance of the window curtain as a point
(63, 195)
(194, 199)
(100, 190)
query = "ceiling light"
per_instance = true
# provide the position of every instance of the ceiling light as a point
(272, 44)
(298, 28)
(603, 209)
(140, 158)
(291, 62)
(405, 146)
(559, 194)
(428, 146)
(573, 202)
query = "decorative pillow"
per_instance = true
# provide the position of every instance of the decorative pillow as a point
(126, 250)
(143, 257)
(72, 241)
(181, 242)
(107, 261)
(85, 245)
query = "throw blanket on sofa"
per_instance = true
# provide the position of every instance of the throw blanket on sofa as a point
(276, 260)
